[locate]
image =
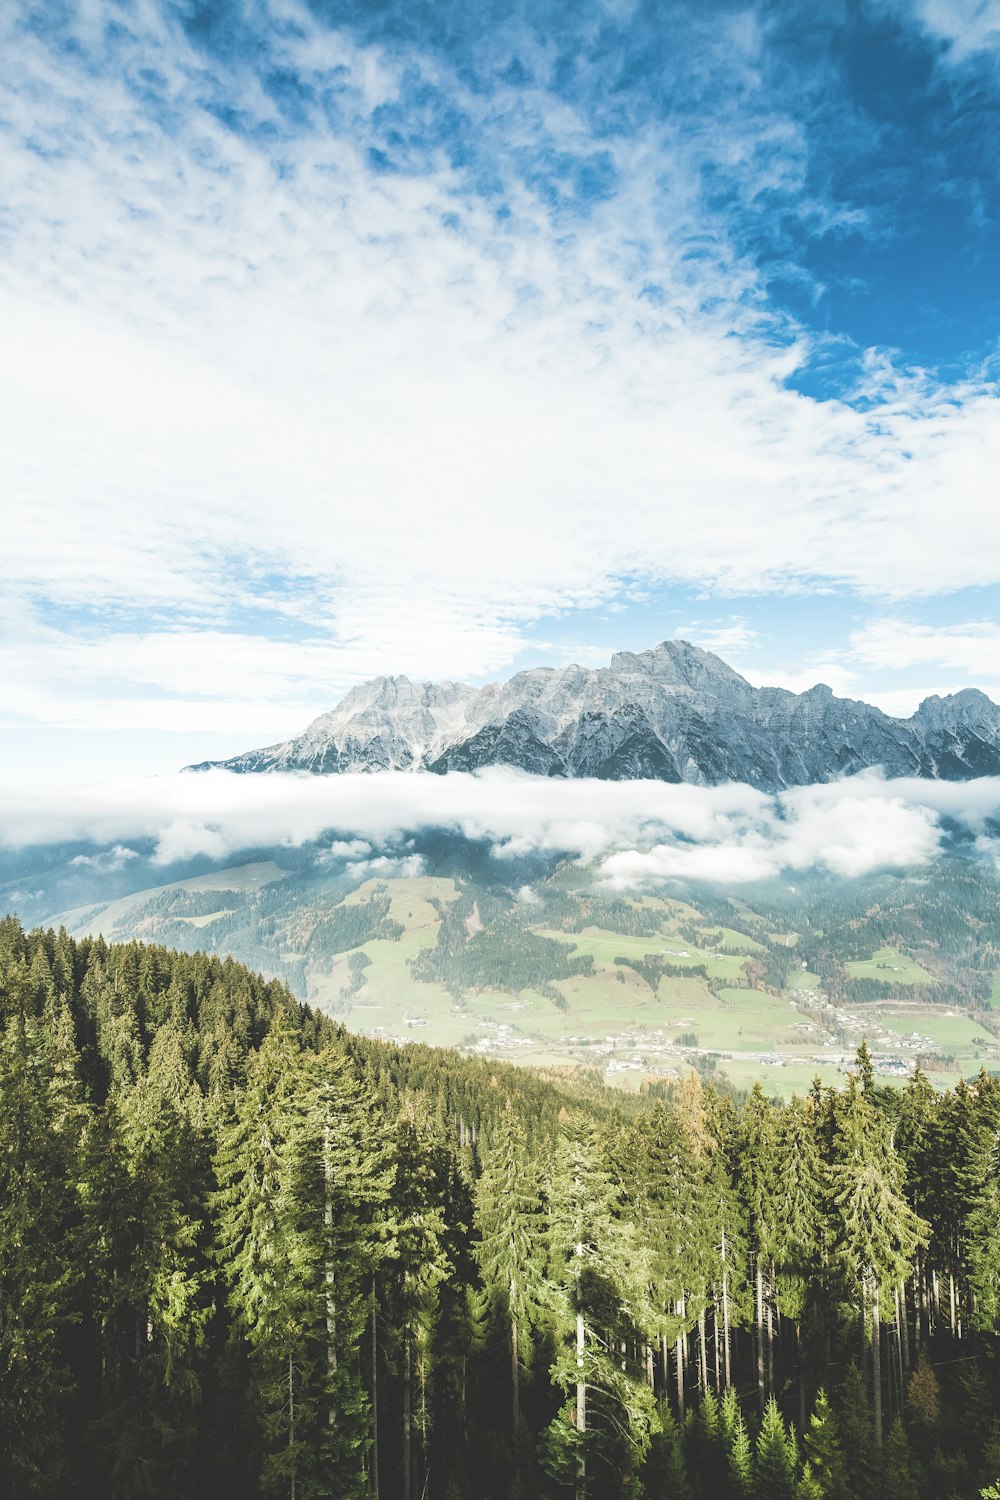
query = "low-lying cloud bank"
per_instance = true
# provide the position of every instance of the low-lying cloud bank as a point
(639, 833)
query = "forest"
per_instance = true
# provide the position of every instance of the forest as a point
(245, 1253)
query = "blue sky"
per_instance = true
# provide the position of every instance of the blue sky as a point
(449, 339)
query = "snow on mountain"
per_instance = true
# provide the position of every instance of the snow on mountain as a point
(673, 713)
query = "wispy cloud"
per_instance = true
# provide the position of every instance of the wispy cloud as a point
(402, 350)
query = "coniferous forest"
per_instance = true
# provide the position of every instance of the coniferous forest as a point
(245, 1253)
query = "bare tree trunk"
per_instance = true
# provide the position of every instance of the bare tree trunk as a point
(374, 1392)
(902, 1335)
(581, 1403)
(407, 1415)
(802, 1377)
(680, 1363)
(760, 1338)
(715, 1346)
(424, 1423)
(291, 1427)
(702, 1355)
(951, 1303)
(726, 1347)
(935, 1301)
(876, 1365)
(918, 1307)
(515, 1413)
(331, 1295)
(650, 1371)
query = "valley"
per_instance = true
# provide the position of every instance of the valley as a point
(559, 972)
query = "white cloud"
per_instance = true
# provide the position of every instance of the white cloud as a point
(111, 859)
(968, 27)
(420, 419)
(638, 832)
(970, 649)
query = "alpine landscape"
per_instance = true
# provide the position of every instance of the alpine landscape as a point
(500, 760)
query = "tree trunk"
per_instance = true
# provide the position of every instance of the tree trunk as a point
(769, 1325)
(715, 1346)
(702, 1354)
(407, 1415)
(424, 1423)
(760, 1338)
(650, 1371)
(935, 1301)
(951, 1304)
(876, 1366)
(801, 1376)
(726, 1349)
(374, 1392)
(680, 1364)
(902, 1337)
(515, 1412)
(291, 1428)
(581, 1403)
(331, 1297)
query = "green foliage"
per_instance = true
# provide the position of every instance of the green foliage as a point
(242, 1252)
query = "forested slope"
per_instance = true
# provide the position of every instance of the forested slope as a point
(243, 1252)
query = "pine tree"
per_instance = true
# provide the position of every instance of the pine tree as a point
(598, 1278)
(775, 1466)
(822, 1451)
(739, 1454)
(758, 1187)
(413, 1278)
(877, 1233)
(981, 1239)
(40, 1249)
(900, 1474)
(272, 1270)
(510, 1249)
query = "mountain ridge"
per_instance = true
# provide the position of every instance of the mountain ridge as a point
(673, 713)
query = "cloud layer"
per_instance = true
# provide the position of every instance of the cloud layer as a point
(328, 353)
(637, 833)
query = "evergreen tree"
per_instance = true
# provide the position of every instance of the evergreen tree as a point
(877, 1233)
(40, 1249)
(775, 1465)
(822, 1451)
(510, 1249)
(597, 1279)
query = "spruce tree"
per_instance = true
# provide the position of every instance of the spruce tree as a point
(775, 1463)
(510, 1247)
(877, 1233)
(41, 1259)
(598, 1281)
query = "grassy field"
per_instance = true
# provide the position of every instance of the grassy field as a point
(604, 947)
(995, 995)
(730, 938)
(954, 1034)
(88, 921)
(745, 1021)
(802, 979)
(891, 967)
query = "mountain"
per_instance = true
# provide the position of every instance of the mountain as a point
(673, 713)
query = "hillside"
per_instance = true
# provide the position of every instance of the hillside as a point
(243, 1253)
(779, 983)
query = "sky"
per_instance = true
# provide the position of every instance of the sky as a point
(444, 339)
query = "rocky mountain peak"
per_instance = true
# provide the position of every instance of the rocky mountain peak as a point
(673, 713)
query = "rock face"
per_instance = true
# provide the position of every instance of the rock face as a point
(674, 713)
